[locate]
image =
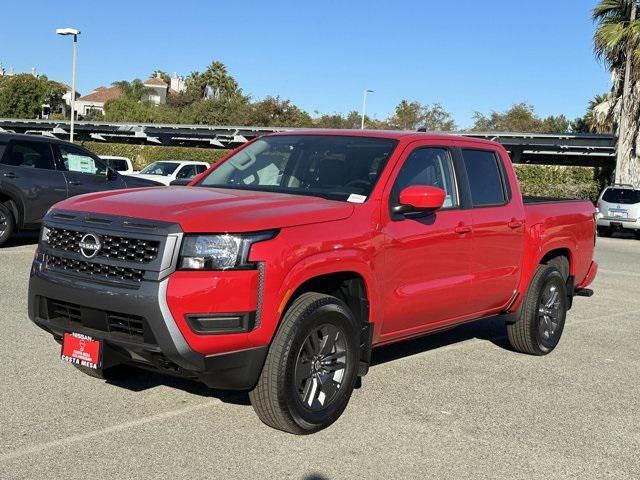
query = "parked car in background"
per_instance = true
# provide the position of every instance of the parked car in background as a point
(166, 172)
(619, 210)
(39, 171)
(279, 269)
(122, 165)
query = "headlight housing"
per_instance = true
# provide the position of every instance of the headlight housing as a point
(219, 252)
(44, 234)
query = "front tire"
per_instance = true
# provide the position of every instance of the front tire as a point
(311, 367)
(539, 326)
(7, 224)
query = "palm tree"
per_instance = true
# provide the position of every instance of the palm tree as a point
(598, 118)
(617, 43)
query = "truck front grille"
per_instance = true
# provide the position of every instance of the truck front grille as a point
(68, 315)
(94, 270)
(112, 246)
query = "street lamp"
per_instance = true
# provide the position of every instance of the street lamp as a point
(75, 33)
(364, 107)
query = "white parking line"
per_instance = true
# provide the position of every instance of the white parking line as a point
(98, 433)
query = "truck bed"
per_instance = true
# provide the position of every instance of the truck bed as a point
(530, 200)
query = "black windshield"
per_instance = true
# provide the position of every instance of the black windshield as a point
(336, 167)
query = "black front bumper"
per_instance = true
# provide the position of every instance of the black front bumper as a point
(162, 348)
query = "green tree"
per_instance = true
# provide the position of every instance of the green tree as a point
(598, 118)
(520, 118)
(414, 115)
(275, 112)
(166, 78)
(617, 44)
(215, 82)
(134, 90)
(22, 96)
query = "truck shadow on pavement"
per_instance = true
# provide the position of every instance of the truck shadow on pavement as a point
(21, 239)
(490, 329)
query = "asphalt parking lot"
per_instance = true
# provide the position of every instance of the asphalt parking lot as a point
(453, 405)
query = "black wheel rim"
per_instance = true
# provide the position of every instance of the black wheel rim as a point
(550, 313)
(3, 223)
(321, 366)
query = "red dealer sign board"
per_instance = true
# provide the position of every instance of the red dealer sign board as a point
(81, 350)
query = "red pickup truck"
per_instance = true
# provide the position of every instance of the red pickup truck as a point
(278, 269)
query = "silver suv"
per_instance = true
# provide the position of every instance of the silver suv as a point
(619, 209)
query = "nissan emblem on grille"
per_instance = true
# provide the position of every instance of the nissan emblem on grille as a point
(90, 245)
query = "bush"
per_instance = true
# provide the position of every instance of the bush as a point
(143, 155)
(557, 181)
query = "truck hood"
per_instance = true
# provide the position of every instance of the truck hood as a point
(203, 210)
(157, 179)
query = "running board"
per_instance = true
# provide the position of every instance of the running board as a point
(584, 292)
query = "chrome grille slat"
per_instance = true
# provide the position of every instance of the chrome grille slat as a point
(95, 270)
(113, 246)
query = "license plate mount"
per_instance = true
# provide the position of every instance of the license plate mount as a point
(81, 350)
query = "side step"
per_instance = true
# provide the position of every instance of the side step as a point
(584, 292)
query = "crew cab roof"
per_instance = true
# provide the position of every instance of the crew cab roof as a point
(391, 134)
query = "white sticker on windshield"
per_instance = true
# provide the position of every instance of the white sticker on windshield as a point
(355, 198)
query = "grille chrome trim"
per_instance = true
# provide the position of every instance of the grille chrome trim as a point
(116, 247)
(94, 270)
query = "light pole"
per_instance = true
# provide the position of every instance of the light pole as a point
(364, 107)
(74, 33)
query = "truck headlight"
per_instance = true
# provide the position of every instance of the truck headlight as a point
(219, 252)
(44, 234)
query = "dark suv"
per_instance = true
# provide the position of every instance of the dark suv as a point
(37, 172)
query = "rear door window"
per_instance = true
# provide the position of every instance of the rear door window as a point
(625, 196)
(29, 155)
(75, 160)
(485, 178)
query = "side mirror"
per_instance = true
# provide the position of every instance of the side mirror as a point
(111, 174)
(420, 198)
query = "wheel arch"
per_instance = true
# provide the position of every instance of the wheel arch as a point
(14, 206)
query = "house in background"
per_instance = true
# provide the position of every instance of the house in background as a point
(178, 84)
(157, 90)
(95, 100)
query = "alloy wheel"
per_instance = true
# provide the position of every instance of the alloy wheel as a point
(3, 222)
(549, 312)
(320, 367)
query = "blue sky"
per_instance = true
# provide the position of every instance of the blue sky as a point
(465, 54)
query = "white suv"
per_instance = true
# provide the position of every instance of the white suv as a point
(167, 171)
(619, 209)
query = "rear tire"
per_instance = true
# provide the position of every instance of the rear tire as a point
(604, 231)
(7, 224)
(539, 326)
(311, 367)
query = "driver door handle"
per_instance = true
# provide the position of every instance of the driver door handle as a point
(74, 183)
(513, 224)
(461, 229)
(10, 175)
